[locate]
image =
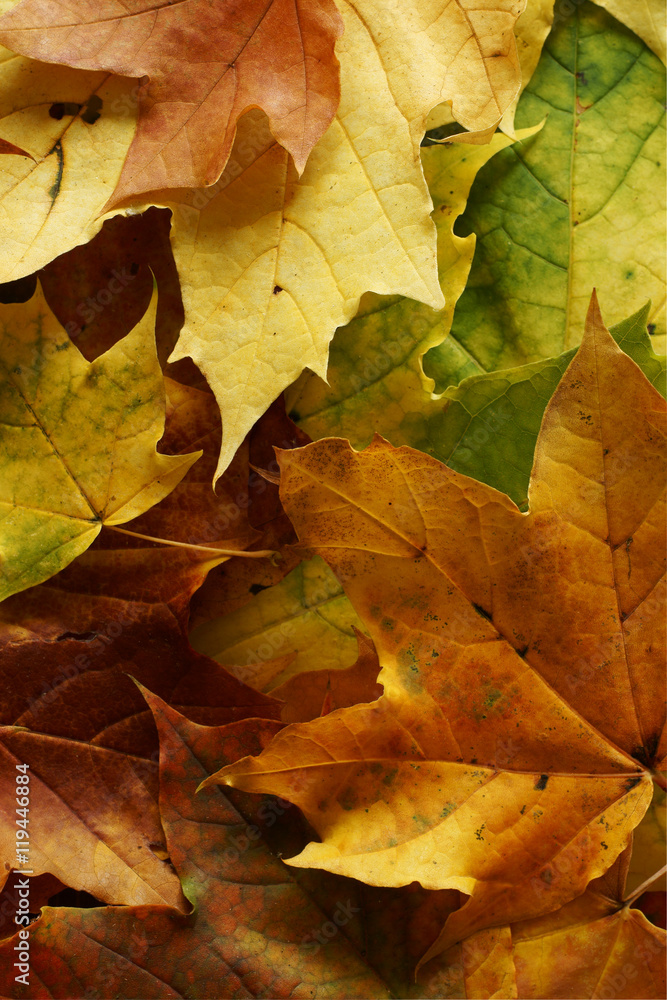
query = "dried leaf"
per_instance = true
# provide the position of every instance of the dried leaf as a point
(99, 292)
(594, 946)
(306, 615)
(271, 263)
(375, 379)
(113, 834)
(494, 629)
(310, 694)
(250, 918)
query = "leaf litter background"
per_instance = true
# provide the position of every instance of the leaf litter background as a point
(174, 892)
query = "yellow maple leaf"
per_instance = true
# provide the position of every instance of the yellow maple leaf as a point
(271, 263)
(77, 441)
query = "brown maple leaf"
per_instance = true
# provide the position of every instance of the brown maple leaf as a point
(510, 756)
(206, 64)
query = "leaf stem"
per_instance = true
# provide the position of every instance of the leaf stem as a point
(642, 888)
(254, 554)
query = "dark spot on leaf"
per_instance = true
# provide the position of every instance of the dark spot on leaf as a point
(632, 782)
(645, 754)
(276, 289)
(541, 783)
(92, 110)
(60, 109)
(256, 588)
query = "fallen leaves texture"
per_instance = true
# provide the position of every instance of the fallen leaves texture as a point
(250, 916)
(505, 753)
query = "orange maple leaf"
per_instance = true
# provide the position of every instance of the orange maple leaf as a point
(511, 754)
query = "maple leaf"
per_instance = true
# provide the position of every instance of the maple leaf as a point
(68, 467)
(250, 918)
(266, 277)
(67, 648)
(594, 946)
(509, 756)
(271, 263)
(580, 204)
(76, 130)
(488, 425)
(114, 845)
(206, 65)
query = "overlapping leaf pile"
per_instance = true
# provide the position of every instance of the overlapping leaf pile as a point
(300, 710)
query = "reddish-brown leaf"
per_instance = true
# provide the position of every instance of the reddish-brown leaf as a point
(100, 291)
(250, 924)
(232, 584)
(93, 818)
(206, 63)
